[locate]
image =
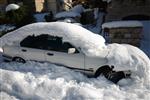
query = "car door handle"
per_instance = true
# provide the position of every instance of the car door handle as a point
(24, 50)
(50, 54)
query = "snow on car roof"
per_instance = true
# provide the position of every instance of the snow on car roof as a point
(116, 24)
(67, 14)
(89, 42)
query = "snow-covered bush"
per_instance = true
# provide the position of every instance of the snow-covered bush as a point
(19, 17)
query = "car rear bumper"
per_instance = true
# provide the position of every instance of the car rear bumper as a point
(7, 58)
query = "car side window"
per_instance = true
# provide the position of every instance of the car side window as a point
(28, 42)
(47, 42)
(44, 41)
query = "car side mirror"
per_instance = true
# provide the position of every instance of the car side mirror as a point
(71, 50)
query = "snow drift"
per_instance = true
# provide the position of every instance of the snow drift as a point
(43, 81)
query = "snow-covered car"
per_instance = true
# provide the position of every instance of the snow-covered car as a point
(52, 49)
(69, 45)
(56, 43)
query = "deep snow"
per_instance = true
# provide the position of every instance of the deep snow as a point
(43, 81)
(46, 81)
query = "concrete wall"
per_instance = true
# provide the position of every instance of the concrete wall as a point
(119, 9)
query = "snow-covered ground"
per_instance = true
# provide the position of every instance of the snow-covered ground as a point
(44, 81)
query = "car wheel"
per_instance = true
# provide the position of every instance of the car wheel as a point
(18, 59)
(103, 70)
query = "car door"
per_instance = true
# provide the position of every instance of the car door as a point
(75, 61)
(58, 53)
(30, 49)
(32, 54)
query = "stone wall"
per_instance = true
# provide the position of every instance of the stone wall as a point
(119, 9)
(125, 35)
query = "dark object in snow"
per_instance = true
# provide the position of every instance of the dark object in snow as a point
(112, 75)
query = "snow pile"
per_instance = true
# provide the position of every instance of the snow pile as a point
(90, 43)
(78, 9)
(37, 81)
(127, 57)
(6, 27)
(67, 14)
(116, 24)
(12, 7)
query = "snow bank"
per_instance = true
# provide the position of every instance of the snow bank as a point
(117, 24)
(12, 7)
(67, 14)
(37, 81)
(90, 43)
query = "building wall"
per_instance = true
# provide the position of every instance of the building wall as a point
(119, 9)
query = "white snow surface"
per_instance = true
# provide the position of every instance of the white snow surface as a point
(116, 24)
(44, 81)
(12, 7)
(65, 14)
(48, 82)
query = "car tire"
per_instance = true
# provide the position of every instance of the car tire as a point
(18, 59)
(102, 70)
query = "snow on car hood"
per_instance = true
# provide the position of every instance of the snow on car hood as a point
(128, 57)
(90, 43)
